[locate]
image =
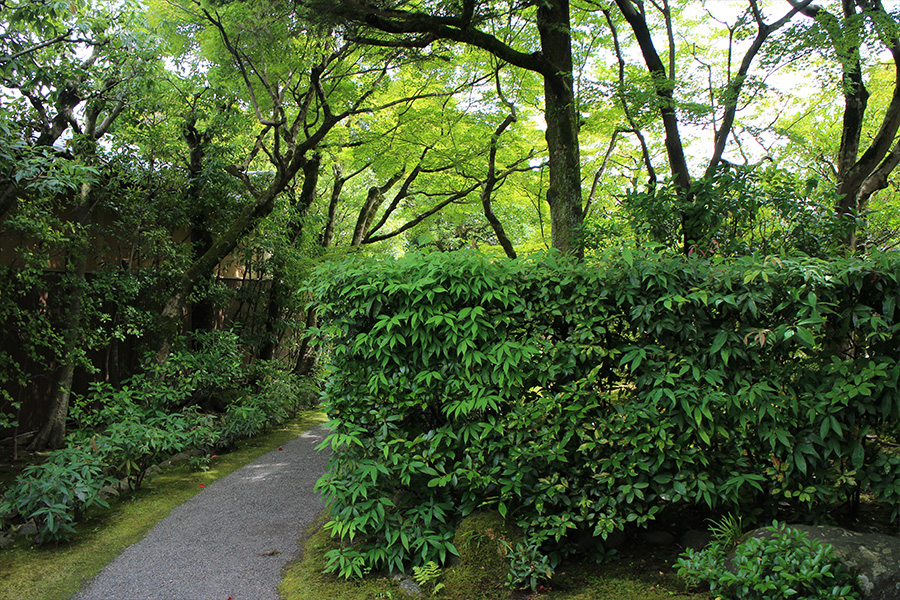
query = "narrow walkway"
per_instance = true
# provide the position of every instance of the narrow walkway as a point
(230, 541)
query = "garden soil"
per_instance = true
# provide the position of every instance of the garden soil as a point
(231, 541)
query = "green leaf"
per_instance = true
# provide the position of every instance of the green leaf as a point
(718, 342)
(806, 336)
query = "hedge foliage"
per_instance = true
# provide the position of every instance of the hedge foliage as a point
(587, 396)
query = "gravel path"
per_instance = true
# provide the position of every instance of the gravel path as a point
(230, 541)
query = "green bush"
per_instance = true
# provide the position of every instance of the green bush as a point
(785, 565)
(278, 396)
(131, 437)
(123, 432)
(585, 397)
(55, 493)
(201, 364)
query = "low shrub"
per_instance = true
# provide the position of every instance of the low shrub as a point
(54, 494)
(130, 437)
(123, 432)
(244, 419)
(785, 565)
(200, 365)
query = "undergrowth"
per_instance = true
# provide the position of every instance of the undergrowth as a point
(57, 571)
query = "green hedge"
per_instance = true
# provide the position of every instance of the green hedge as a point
(587, 396)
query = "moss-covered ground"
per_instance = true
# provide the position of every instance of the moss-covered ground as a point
(57, 572)
(639, 574)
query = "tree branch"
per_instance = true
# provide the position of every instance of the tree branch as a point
(456, 29)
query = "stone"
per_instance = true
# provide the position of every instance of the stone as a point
(109, 492)
(483, 540)
(410, 587)
(696, 539)
(6, 539)
(875, 558)
(614, 539)
(28, 528)
(657, 538)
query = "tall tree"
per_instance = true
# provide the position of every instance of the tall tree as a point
(864, 162)
(545, 50)
(291, 94)
(664, 80)
(74, 73)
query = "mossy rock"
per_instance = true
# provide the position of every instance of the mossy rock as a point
(483, 540)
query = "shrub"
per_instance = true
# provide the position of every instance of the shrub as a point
(123, 432)
(131, 437)
(55, 493)
(785, 565)
(244, 419)
(200, 364)
(588, 396)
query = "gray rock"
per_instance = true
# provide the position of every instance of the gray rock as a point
(182, 456)
(614, 539)
(6, 539)
(696, 539)
(410, 587)
(657, 538)
(28, 528)
(875, 558)
(109, 491)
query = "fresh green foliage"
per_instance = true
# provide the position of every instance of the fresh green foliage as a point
(584, 397)
(740, 210)
(125, 438)
(102, 535)
(727, 531)
(528, 566)
(427, 576)
(200, 364)
(784, 564)
(200, 463)
(54, 494)
(481, 573)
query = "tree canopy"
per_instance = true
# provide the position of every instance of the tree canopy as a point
(176, 166)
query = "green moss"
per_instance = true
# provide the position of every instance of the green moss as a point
(478, 538)
(648, 576)
(483, 540)
(306, 579)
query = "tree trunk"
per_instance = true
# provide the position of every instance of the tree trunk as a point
(307, 358)
(374, 200)
(203, 315)
(553, 62)
(53, 432)
(663, 87)
(328, 231)
(279, 291)
(273, 316)
(564, 164)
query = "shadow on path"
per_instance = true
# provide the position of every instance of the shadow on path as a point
(230, 541)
